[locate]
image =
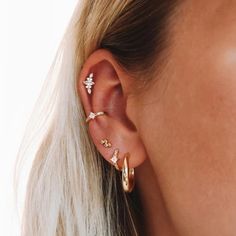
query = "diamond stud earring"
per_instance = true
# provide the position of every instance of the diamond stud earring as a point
(89, 83)
(93, 115)
(106, 143)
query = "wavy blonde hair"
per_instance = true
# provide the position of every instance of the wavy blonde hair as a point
(71, 190)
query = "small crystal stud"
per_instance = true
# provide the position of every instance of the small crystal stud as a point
(92, 115)
(106, 143)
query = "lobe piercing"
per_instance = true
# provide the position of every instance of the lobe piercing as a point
(128, 181)
(89, 83)
(93, 115)
(106, 143)
(115, 159)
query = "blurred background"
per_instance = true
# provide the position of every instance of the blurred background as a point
(30, 33)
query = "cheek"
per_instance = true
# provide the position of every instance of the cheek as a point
(204, 103)
(190, 136)
(196, 113)
(190, 130)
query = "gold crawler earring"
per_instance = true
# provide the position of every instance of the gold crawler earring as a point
(93, 115)
(127, 175)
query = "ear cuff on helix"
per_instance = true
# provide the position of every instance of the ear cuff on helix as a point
(93, 115)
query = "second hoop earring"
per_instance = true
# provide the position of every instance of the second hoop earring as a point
(128, 181)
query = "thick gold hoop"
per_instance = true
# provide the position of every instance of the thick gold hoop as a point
(127, 175)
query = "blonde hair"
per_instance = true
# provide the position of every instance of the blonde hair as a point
(71, 190)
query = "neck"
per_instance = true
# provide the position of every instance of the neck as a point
(154, 218)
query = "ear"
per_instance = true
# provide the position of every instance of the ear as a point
(110, 94)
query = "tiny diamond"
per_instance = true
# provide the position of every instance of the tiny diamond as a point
(89, 83)
(114, 159)
(92, 115)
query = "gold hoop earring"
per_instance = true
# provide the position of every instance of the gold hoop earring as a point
(127, 175)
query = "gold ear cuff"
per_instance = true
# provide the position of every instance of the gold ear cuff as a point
(93, 115)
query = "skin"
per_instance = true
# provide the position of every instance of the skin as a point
(181, 130)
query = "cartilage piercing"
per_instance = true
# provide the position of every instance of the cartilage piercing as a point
(89, 83)
(93, 115)
(106, 143)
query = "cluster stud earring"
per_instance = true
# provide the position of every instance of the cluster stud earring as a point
(106, 143)
(89, 83)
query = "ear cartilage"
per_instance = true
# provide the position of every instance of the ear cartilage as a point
(93, 115)
(89, 83)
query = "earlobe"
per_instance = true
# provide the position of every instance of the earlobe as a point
(103, 94)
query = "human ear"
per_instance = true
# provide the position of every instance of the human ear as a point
(110, 94)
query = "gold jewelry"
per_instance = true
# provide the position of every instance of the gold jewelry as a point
(106, 143)
(93, 115)
(89, 83)
(127, 175)
(115, 158)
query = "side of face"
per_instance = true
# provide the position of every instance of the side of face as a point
(187, 119)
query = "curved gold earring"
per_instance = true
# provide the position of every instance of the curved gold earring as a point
(93, 115)
(127, 175)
